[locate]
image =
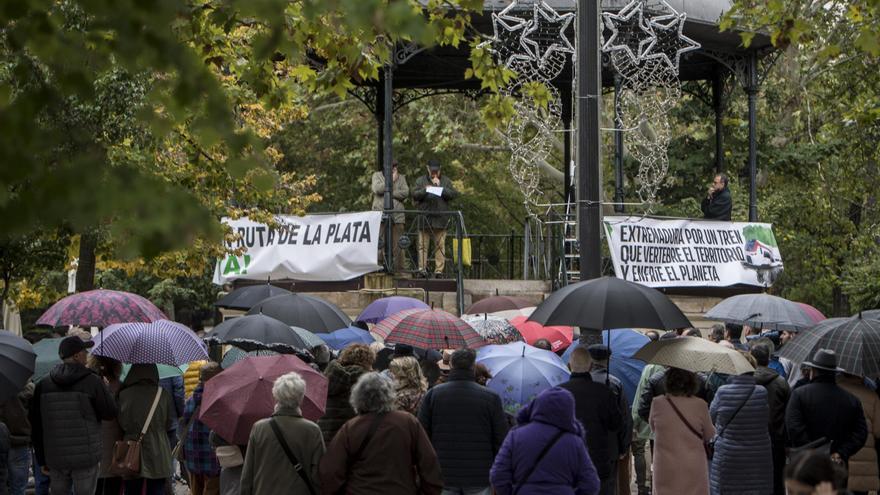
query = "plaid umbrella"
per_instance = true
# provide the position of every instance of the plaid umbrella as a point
(761, 311)
(17, 359)
(100, 308)
(498, 303)
(855, 340)
(494, 330)
(244, 298)
(161, 342)
(380, 309)
(428, 329)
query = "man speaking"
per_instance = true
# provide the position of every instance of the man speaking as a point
(717, 203)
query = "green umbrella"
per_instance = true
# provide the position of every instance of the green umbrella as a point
(165, 371)
(47, 357)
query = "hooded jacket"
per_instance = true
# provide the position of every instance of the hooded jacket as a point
(778, 393)
(66, 414)
(340, 381)
(135, 399)
(566, 467)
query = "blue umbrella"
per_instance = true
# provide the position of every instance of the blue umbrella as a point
(380, 309)
(520, 372)
(344, 337)
(624, 343)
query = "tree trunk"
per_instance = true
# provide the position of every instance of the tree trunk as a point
(85, 268)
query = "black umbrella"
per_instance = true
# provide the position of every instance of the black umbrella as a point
(855, 340)
(245, 298)
(609, 302)
(17, 361)
(258, 332)
(299, 310)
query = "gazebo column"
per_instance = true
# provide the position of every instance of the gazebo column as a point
(752, 91)
(379, 112)
(387, 111)
(618, 148)
(565, 95)
(718, 105)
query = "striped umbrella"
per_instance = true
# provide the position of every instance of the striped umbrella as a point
(428, 329)
(100, 308)
(161, 342)
(855, 340)
(494, 330)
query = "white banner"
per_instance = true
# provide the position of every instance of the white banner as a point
(313, 247)
(692, 253)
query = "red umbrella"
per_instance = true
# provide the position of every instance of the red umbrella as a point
(428, 329)
(242, 395)
(100, 308)
(811, 312)
(498, 303)
(560, 337)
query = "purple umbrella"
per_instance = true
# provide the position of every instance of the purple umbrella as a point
(380, 309)
(160, 342)
(100, 308)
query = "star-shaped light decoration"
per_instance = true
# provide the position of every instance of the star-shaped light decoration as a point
(507, 41)
(630, 31)
(671, 42)
(545, 34)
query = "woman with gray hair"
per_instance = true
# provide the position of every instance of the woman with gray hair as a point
(358, 458)
(285, 435)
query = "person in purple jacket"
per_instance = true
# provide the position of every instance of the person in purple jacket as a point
(545, 453)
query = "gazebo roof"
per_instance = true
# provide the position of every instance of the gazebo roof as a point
(444, 67)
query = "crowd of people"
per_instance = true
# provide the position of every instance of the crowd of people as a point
(398, 423)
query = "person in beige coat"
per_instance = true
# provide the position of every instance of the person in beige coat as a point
(680, 466)
(399, 192)
(864, 475)
(267, 469)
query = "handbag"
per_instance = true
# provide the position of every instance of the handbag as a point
(127, 453)
(466, 257)
(229, 456)
(708, 446)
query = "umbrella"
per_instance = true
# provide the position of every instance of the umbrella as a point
(520, 372)
(694, 354)
(17, 360)
(494, 330)
(100, 308)
(380, 309)
(235, 354)
(559, 336)
(498, 303)
(245, 298)
(47, 357)
(610, 302)
(761, 311)
(855, 340)
(871, 314)
(340, 339)
(240, 396)
(300, 310)
(161, 342)
(428, 329)
(814, 314)
(308, 337)
(165, 371)
(507, 314)
(628, 370)
(253, 332)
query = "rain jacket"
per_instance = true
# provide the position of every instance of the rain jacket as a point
(66, 414)
(191, 377)
(466, 425)
(399, 193)
(340, 381)
(742, 461)
(135, 399)
(429, 202)
(565, 469)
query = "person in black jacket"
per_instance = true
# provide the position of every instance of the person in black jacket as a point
(65, 414)
(717, 204)
(778, 393)
(603, 414)
(466, 425)
(823, 410)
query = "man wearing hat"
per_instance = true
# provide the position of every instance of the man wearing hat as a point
(399, 193)
(66, 413)
(823, 413)
(432, 192)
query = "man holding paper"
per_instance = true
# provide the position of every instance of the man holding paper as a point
(432, 192)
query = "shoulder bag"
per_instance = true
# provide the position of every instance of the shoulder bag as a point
(297, 466)
(538, 459)
(178, 452)
(127, 453)
(708, 446)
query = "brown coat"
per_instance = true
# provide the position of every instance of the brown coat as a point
(863, 472)
(680, 465)
(399, 441)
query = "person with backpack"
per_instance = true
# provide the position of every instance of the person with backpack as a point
(546, 452)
